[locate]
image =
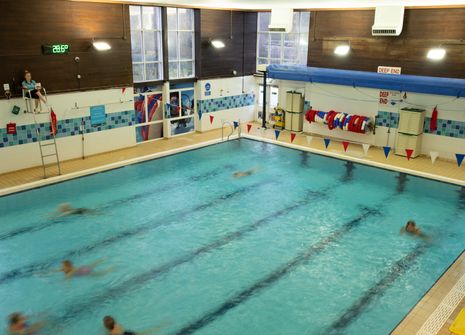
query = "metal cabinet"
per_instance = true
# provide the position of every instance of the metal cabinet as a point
(410, 131)
(294, 117)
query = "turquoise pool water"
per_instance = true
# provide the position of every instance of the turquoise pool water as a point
(305, 245)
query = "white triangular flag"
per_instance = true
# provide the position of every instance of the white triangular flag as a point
(365, 148)
(309, 140)
(434, 155)
(262, 131)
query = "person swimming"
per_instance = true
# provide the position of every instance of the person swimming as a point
(412, 229)
(66, 210)
(18, 325)
(240, 174)
(115, 328)
(70, 270)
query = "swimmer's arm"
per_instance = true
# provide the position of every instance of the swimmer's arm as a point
(402, 230)
(35, 327)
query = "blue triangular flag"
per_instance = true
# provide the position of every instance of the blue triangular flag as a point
(459, 158)
(200, 115)
(168, 105)
(327, 140)
(276, 133)
(387, 150)
(236, 124)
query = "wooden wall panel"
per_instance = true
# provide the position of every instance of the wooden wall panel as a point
(238, 30)
(26, 25)
(423, 29)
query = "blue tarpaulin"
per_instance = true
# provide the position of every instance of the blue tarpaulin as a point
(405, 83)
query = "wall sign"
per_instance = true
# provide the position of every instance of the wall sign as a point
(389, 69)
(208, 88)
(11, 128)
(55, 49)
(390, 98)
(97, 115)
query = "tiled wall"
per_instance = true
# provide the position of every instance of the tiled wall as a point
(69, 127)
(222, 103)
(448, 128)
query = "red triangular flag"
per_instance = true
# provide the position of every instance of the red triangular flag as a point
(123, 90)
(345, 144)
(249, 126)
(409, 153)
(211, 119)
(292, 137)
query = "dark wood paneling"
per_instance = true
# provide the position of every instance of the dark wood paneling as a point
(423, 29)
(25, 25)
(238, 30)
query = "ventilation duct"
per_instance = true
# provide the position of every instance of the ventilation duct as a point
(281, 20)
(389, 21)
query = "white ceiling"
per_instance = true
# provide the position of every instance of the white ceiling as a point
(298, 4)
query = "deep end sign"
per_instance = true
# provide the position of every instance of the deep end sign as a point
(389, 69)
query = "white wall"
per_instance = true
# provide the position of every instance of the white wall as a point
(223, 88)
(365, 101)
(28, 155)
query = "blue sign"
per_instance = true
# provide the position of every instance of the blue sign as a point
(208, 88)
(97, 115)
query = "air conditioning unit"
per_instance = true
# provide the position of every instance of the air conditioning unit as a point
(389, 21)
(281, 20)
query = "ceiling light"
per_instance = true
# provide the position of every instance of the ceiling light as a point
(342, 50)
(217, 44)
(436, 53)
(101, 45)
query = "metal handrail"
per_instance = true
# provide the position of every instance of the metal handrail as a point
(223, 123)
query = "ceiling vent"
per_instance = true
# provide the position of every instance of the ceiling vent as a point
(389, 21)
(281, 20)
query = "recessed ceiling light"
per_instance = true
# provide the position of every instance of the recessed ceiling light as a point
(436, 53)
(342, 50)
(218, 44)
(101, 45)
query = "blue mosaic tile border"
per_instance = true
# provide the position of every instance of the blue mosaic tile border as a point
(230, 102)
(448, 128)
(307, 105)
(69, 127)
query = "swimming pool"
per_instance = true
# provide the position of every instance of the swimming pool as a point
(305, 245)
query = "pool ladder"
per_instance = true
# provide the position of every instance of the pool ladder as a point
(226, 122)
(43, 143)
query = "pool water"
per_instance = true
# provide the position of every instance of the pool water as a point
(305, 245)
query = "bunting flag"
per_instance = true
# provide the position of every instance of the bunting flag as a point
(434, 155)
(387, 150)
(249, 126)
(409, 153)
(236, 124)
(327, 140)
(262, 131)
(459, 158)
(365, 148)
(276, 133)
(211, 119)
(200, 115)
(345, 144)
(123, 90)
(309, 140)
(292, 137)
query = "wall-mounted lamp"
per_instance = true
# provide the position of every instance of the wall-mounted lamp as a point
(436, 54)
(218, 44)
(342, 50)
(101, 45)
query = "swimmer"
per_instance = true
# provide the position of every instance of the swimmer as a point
(240, 174)
(70, 271)
(114, 328)
(18, 325)
(66, 210)
(411, 228)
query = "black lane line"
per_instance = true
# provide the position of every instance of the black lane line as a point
(378, 289)
(111, 204)
(132, 283)
(312, 251)
(29, 270)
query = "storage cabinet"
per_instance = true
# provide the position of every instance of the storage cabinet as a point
(409, 134)
(294, 112)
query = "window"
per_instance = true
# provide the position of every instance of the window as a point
(283, 48)
(181, 42)
(146, 43)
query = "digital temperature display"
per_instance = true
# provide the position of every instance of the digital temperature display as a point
(55, 49)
